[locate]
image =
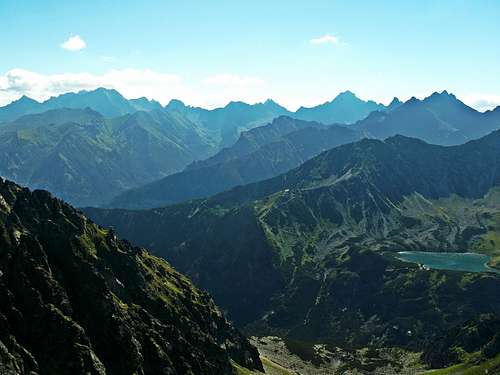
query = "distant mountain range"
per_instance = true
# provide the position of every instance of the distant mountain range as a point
(440, 119)
(260, 153)
(311, 254)
(110, 103)
(236, 117)
(224, 124)
(294, 225)
(88, 147)
(270, 150)
(85, 158)
(103, 144)
(346, 108)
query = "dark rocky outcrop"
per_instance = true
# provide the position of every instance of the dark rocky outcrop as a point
(75, 299)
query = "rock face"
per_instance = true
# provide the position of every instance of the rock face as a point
(310, 254)
(76, 300)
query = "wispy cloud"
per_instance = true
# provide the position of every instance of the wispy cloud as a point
(74, 43)
(219, 89)
(330, 39)
(482, 102)
(107, 58)
(227, 79)
(130, 82)
(211, 91)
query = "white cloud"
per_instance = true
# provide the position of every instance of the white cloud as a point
(227, 79)
(482, 102)
(219, 89)
(74, 43)
(131, 83)
(211, 91)
(325, 39)
(107, 58)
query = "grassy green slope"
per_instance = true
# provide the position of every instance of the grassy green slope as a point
(75, 299)
(87, 159)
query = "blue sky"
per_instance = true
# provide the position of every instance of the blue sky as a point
(210, 52)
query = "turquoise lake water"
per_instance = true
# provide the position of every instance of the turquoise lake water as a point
(469, 262)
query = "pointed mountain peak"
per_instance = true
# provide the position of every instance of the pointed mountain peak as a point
(175, 104)
(412, 100)
(448, 100)
(24, 99)
(346, 95)
(270, 102)
(273, 105)
(395, 103)
(441, 95)
(447, 94)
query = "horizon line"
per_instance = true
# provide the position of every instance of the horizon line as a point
(269, 99)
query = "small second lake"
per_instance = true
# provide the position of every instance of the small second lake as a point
(468, 262)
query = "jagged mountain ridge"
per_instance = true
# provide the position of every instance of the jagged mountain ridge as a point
(85, 158)
(439, 119)
(224, 123)
(259, 154)
(108, 102)
(346, 108)
(162, 150)
(253, 139)
(75, 299)
(236, 117)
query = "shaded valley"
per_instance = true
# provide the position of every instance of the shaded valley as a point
(311, 255)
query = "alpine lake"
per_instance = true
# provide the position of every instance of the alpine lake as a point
(465, 262)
